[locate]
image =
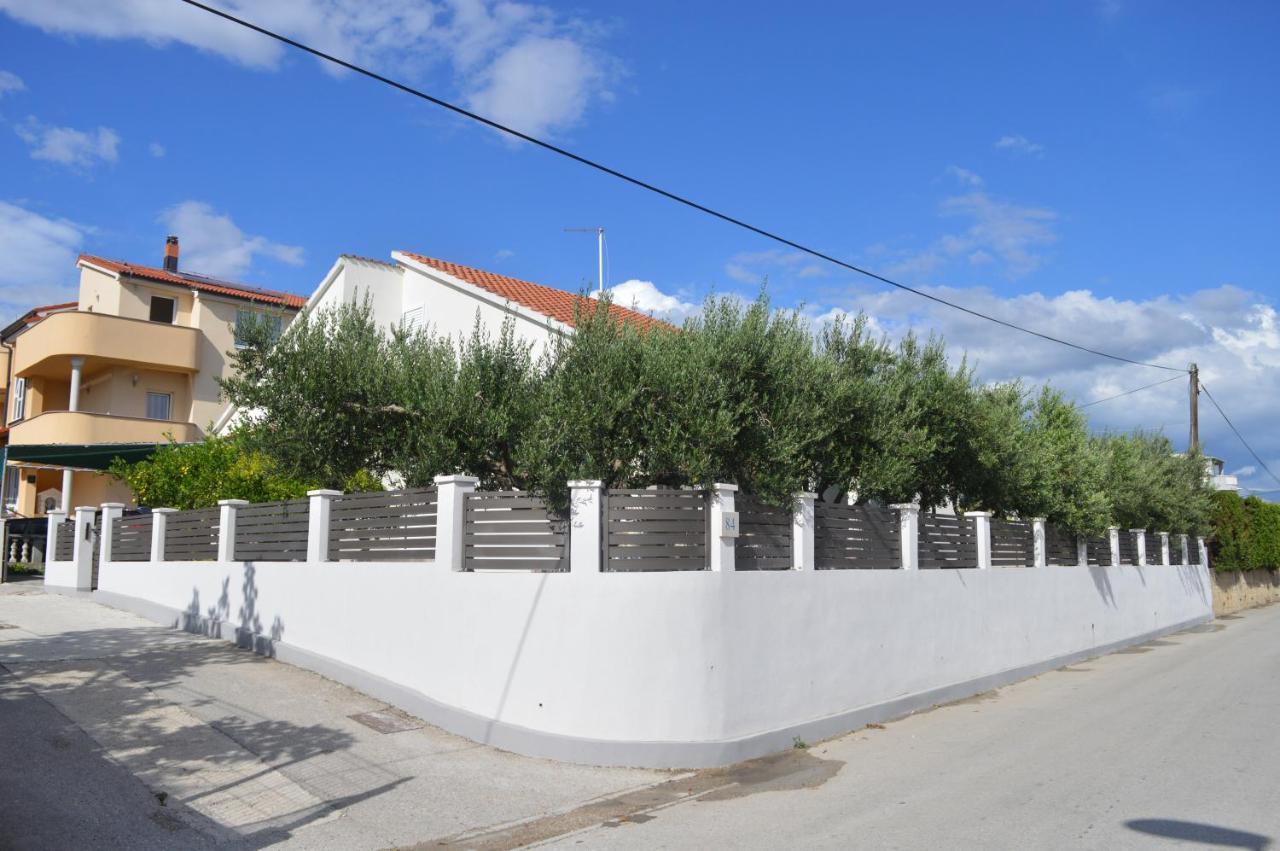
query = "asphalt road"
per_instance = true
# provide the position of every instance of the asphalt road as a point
(1175, 743)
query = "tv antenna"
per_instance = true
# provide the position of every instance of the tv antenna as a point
(599, 232)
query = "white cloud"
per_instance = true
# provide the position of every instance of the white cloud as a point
(68, 146)
(964, 176)
(521, 63)
(647, 298)
(156, 150)
(504, 254)
(39, 259)
(753, 267)
(1020, 145)
(10, 82)
(213, 244)
(1014, 235)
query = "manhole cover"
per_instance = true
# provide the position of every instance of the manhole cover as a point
(388, 721)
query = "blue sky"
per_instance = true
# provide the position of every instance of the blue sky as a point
(1102, 171)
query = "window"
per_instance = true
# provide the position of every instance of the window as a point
(244, 317)
(19, 400)
(158, 405)
(411, 320)
(163, 309)
(11, 489)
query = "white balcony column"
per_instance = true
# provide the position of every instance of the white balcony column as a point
(73, 395)
(451, 495)
(1039, 555)
(82, 549)
(111, 512)
(724, 528)
(802, 551)
(909, 534)
(1164, 548)
(1140, 544)
(982, 536)
(1186, 550)
(66, 491)
(1082, 551)
(1113, 535)
(585, 529)
(227, 527)
(318, 523)
(56, 519)
(159, 528)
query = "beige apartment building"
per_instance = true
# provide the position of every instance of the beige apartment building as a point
(133, 363)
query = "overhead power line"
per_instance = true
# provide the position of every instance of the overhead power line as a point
(679, 199)
(1130, 392)
(1231, 425)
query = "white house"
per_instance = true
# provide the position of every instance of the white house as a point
(417, 291)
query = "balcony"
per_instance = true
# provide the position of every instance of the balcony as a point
(47, 348)
(82, 428)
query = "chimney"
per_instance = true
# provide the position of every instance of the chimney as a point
(171, 254)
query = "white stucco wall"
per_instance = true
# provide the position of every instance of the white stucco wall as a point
(676, 669)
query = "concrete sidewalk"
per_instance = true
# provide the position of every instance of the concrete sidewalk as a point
(116, 733)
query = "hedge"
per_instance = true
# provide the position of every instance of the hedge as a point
(1246, 533)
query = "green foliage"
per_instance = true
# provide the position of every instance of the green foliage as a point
(198, 475)
(742, 394)
(1246, 533)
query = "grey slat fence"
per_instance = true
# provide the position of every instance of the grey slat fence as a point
(272, 531)
(764, 536)
(383, 526)
(1154, 555)
(1059, 546)
(1012, 543)
(1193, 551)
(1175, 550)
(131, 538)
(947, 541)
(64, 544)
(1128, 548)
(855, 537)
(513, 530)
(1099, 551)
(655, 530)
(192, 535)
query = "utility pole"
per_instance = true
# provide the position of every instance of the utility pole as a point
(1194, 443)
(599, 232)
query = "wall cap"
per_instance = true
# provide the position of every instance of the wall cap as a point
(456, 480)
(164, 510)
(905, 506)
(113, 505)
(978, 514)
(233, 502)
(324, 492)
(586, 483)
(724, 487)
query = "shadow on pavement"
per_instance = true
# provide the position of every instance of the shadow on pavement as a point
(1205, 834)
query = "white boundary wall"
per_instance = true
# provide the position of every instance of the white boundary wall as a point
(664, 669)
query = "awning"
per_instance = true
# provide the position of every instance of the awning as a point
(94, 456)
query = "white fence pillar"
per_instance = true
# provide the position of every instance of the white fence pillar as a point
(159, 528)
(56, 519)
(1140, 544)
(111, 512)
(1186, 550)
(1039, 556)
(982, 536)
(318, 523)
(82, 551)
(1164, 548)
(451, 494)
(1204, 551)
(585, 538)
(227, 528)
(1113, 536)
(909, 534)
(802, 552)
(1082, 551)
(724, 528)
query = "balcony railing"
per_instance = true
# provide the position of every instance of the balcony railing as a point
(47, 348)
(84, 428)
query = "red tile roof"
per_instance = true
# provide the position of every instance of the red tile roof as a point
(549, 301)
(198, 282)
